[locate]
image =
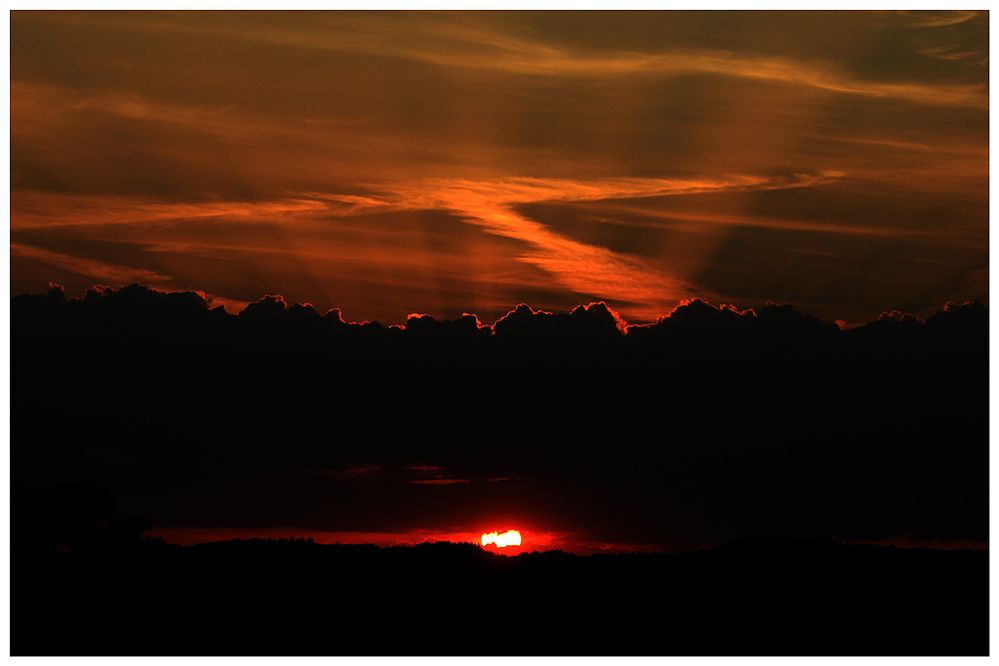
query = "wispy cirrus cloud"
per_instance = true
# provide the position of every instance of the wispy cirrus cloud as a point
(458, 42)
(101, 271)
(581, 267)
(705, 220)
(444, 162)
(105, 272)
(35, 209)
(491, 205)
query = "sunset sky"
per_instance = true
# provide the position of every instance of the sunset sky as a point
(388, 163)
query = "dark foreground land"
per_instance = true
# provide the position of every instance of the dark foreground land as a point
(301, 598)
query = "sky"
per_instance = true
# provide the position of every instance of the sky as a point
(388, 162)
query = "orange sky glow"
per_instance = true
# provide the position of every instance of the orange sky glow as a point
(530, 540)
(388, 163)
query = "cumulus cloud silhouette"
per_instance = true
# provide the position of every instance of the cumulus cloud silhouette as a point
(268, 307)
(467, 325)
(592, 320)
(713, 422)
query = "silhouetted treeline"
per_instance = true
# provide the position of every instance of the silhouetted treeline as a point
(296, 597)
(71, 518)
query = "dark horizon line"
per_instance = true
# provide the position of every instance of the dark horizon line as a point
(271, 305)
(963, 545)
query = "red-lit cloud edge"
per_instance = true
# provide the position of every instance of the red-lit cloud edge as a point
(595, 314)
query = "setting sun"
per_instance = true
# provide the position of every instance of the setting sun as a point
(502, 539)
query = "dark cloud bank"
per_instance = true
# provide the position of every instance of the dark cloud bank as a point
(711, 425)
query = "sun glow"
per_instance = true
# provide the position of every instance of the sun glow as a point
(502, 539)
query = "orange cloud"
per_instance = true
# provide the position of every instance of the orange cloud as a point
(581, 267)
(163, 160)
(92, 268)
(116, 274)
(487, 203)
(456, 41)
(706, 220)
(32, 209)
